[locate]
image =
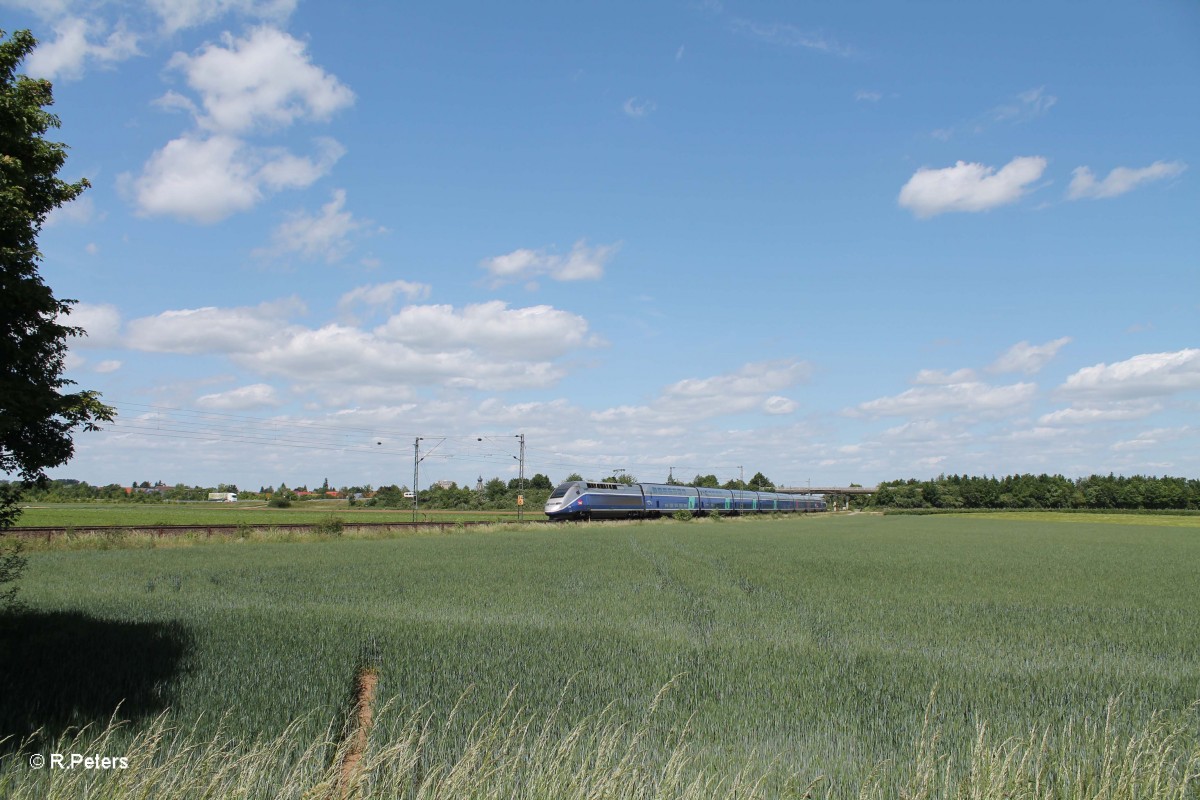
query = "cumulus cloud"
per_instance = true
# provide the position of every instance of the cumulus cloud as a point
(382, 295)
(934, 377)
(487, 345)
(1120, 180)
(1146, 375)
(82, 40)
(1154, 437)
(581, 264)
(243, 398)
(326, 235)
(967, 397)
(101, 321)
(753, 387)
(75, 46)
(535, 332)
(179, 14)
(206, 179)
(1028, 358)
(1091, 414)
(258, 84)
(262, 81)
(969, 187)
(212, 330)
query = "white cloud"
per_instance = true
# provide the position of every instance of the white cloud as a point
(179, 14)
(80, 211)
(934, 377)
(206, 179)
(102, 322)
(1028, 358)
(382, 295)
(73, 48)
(1120, 180)
(212, 330)
(243, 398)
(109, 365)
(1088, 415)
(1023, 107)
(44, 9)
(336, 354)
(969, 397)
(750, 388)
(777, 405)
(969, 187)
(1153, 438)
(582, 263)
(324, 235)
(633, 107)
(1146, 375)
(752, 380)
(786, 35)
(869, 96)
(1026, 106)
(262, 81)
(535, 332)
(488, 345)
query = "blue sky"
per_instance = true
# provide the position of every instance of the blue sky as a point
(829, 242)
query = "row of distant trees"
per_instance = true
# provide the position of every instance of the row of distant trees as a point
(495, 493)
(1137, 492)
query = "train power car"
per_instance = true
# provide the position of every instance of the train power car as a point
(595, 500)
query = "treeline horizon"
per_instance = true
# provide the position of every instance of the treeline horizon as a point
(495, 494)
(945, 492)
(1027, 491)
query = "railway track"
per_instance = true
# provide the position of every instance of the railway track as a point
(51, 532)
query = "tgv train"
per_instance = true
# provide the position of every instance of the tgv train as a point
(590, 500)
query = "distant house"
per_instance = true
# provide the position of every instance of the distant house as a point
(444, 485)
(160, 488)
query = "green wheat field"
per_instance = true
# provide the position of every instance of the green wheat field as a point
(838, 656)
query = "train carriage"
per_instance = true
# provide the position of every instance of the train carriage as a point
(600, 500)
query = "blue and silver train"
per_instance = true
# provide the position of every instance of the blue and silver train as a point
(592, 500)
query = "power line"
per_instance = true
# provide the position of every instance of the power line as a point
(158, 421)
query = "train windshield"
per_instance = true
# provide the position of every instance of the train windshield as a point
(562, 490)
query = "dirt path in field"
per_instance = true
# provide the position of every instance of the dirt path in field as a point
(365, 684)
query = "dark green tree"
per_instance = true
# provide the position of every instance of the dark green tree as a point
(540, 481)
(759, 483)
(495, 489)
(37, 417)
